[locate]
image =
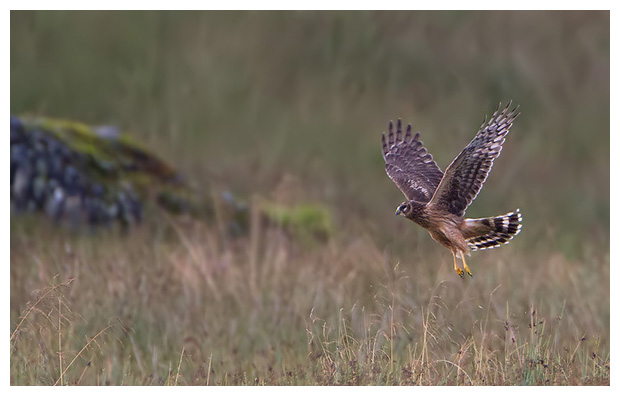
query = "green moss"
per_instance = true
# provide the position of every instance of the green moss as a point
(303, 220)
(109, 155)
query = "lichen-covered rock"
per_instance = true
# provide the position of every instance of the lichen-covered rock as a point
(69, 170)
(99, 176)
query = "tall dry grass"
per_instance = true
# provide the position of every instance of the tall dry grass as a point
(183, 304)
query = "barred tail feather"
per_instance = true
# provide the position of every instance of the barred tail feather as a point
(492, 232)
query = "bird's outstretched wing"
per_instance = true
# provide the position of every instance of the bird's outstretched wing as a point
(465, 176)
(409, 164)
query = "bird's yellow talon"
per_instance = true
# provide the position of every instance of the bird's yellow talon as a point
(456, 268)
(465, 266)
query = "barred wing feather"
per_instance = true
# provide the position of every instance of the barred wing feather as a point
(465, 176)
(410, 166)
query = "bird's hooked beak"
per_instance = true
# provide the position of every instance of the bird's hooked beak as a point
(397, 211)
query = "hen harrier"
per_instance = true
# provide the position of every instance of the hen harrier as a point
(437, 201)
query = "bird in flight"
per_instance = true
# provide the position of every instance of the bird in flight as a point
(437, 200)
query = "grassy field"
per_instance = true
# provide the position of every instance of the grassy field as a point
(290, 106)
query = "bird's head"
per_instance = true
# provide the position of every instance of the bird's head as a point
(404, 209)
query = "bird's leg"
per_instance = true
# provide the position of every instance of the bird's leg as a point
(456, 268)
(465, 267)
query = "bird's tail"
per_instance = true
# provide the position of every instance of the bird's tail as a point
(492, 232)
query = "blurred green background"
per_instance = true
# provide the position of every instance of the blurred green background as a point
(241, 99)
(291, 106)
